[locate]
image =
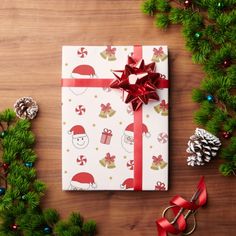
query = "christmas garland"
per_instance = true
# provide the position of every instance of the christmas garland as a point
(209, 28)
(20, 191)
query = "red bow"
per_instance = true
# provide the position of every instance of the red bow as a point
(158, 52)
(106, 108)
(158, 159)
(160, 186)
(107, 131)
(144, 88)
(109, 159)
(110, 50)
(164, 105)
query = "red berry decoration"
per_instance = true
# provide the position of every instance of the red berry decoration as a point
(14, 227)
(5, 166)
(187, 3)
(227, 134)
(227, 63)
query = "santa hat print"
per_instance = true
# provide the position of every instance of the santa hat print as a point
(84, 178)
(129, 130)
(77, 130)
(127, 184)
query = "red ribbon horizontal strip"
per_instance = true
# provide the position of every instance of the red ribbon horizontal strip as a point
(99, 83)
(163, 83)
(86, 82)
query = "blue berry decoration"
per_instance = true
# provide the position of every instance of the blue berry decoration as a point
(29, 164)
(2, 191)
(47, 230)
(210, 98)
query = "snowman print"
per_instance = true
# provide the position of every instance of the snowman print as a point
(80, 139)
(127, 139)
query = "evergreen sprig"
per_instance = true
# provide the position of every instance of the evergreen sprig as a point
(21, 192)
(209, 28)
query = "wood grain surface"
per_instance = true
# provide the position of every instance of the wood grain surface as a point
(32, 33)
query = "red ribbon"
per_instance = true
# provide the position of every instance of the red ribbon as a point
(158, 52)
(110, 50)
(138, 143)
(109, 159)
(164, 226)
(106, 108)
(157, 160)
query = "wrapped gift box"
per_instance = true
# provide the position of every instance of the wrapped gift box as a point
(106, 145)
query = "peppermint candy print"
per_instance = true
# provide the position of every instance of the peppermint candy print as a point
(130, 164)
(80, 110)
(162, 137)
(82, 52)
(81, 160)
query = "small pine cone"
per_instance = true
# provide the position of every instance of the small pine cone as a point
(202, 146)
(26, 108)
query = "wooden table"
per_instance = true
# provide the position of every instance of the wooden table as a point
(31, 35)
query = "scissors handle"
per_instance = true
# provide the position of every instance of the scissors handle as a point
(186, 216)
(194, 222)
(176, 217)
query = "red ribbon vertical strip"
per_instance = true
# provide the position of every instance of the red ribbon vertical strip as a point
(138, 149)
(138, 134)
(138, 53)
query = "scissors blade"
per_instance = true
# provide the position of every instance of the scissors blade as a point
(196, 195)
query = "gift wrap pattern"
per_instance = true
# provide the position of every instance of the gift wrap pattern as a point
(97, 126)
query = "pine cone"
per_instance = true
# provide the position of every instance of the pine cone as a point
(26, 108)
(202, 146)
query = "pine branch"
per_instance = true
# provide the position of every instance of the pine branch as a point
(209, 28)
(20, 210)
